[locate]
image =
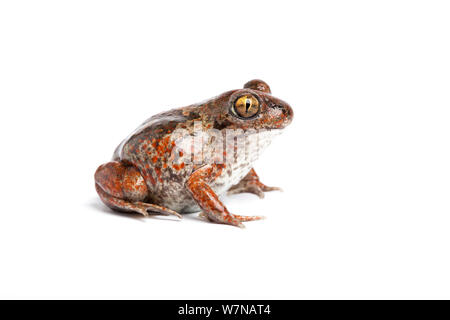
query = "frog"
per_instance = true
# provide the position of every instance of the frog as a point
(173, 163)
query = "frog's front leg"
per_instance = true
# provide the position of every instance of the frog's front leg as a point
(251, 184)
(206, 198)
(121, 187)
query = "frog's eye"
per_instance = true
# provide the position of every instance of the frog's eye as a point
(246, 106)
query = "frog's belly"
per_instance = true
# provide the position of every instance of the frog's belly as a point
(230, 177)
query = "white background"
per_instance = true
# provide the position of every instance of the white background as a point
(365, 165)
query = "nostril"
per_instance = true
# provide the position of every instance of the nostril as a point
(285, 109)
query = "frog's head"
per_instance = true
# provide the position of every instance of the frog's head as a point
(252, 107)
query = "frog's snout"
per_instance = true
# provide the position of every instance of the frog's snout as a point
(288, 113)
(285, 113)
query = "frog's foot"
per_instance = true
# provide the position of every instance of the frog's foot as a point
(254, 187)
(236, 220)
(121, 187)
(213, 208)
(251, 184)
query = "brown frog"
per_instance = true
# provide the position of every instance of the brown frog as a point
(181, 160)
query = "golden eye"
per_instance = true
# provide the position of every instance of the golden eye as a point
(246, 106)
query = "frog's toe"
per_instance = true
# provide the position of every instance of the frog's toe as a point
(153, 209)
(248, 218)
(267, 189)
(141, 210)
(231, 220)
(246, 189)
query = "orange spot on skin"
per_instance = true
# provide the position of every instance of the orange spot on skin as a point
(165, 146)
(158, 173)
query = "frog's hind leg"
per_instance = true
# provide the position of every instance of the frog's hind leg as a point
(121, 187)
(251, 184)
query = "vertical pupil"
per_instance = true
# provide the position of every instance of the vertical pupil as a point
(248, 103)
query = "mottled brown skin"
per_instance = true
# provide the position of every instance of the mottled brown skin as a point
(151, 174)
